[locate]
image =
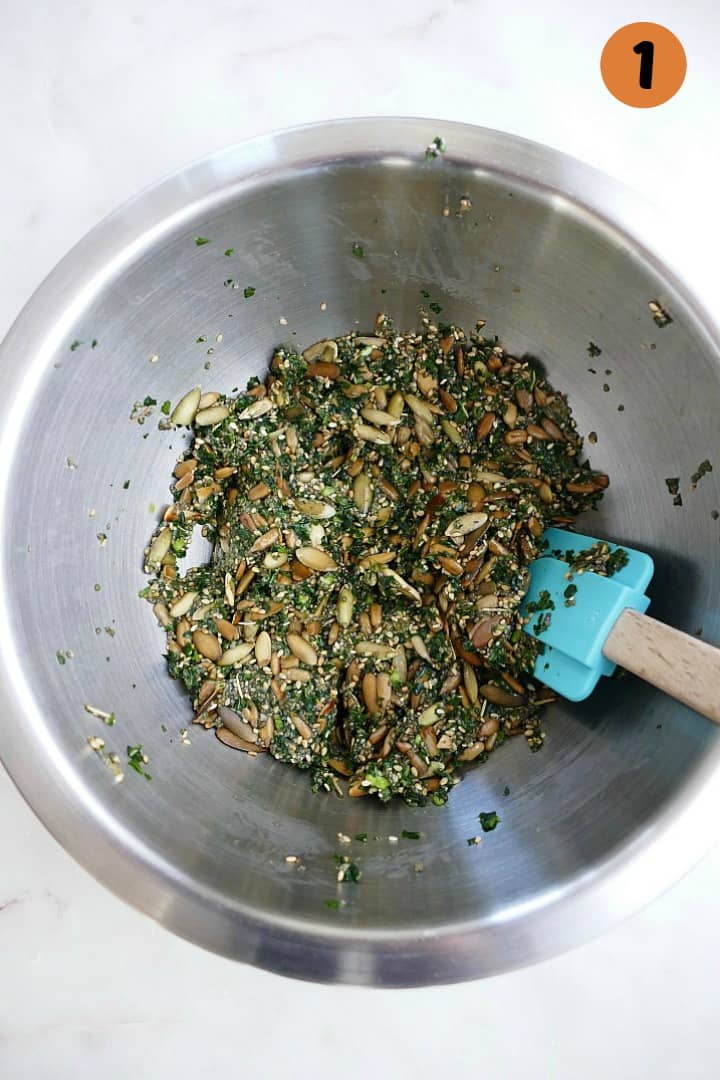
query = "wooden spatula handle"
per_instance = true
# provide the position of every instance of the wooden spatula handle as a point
(682, 666)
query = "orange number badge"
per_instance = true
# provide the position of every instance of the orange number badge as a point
(643, 64)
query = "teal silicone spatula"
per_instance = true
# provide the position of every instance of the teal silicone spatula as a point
(589, 623)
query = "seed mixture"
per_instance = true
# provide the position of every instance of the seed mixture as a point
(373, 507)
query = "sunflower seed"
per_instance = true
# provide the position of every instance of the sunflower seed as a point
(466, 523)
(236, 724)
(159, 547)
(404, 586)
(498, 696)
(374, 648)
(345, 605)
(379, 417)
(256, 409)
(369, 693)
(321, 350)
(420, 408)
(400, 663)
(263, 648)
(372, 434)
(362, 492)
(431, 715)
(183, 604)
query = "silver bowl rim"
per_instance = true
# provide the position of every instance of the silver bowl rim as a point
(681, 834)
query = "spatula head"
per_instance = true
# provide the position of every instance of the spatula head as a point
(573, 612)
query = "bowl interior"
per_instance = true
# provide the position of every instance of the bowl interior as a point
(549, 277)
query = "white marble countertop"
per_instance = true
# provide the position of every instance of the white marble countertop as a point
(97, 101)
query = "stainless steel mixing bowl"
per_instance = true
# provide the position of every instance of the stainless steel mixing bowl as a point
(625, 795)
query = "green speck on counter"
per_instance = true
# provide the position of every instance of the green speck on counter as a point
(248, 291)
(489, 820)
(229, 252)
(362, 837)
(333, 904)
(410, 834)
(126, 485)
(200, 240)
(166, 407)
(358, 251)
(148, 401)
(75, 345)
(97, 587)
(59, 656)
(593, 350)
(435, 307)
(506, 791)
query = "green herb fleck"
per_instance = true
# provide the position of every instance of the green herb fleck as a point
(506, 790)
(703, 468)
(229, 252)
(434, 306)
(358, 251)
(347, 870)
(137, 760)
(362, 837)
(333, 904)
(166, 407)
(435, 148)
(200, 240)
(75, 345)
(60, 658)
(147, 401)
(248, 291)
(489, 820)
(410, 834)
(425, 293)
(569, 595)
(593, 350)
(377, 781)
(94, 343)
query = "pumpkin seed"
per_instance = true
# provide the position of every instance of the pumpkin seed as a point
(184, 412)
(214, 415)
(302, 648)
(316, 559)
(229, 738)
(236, 653)
(314, 508)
